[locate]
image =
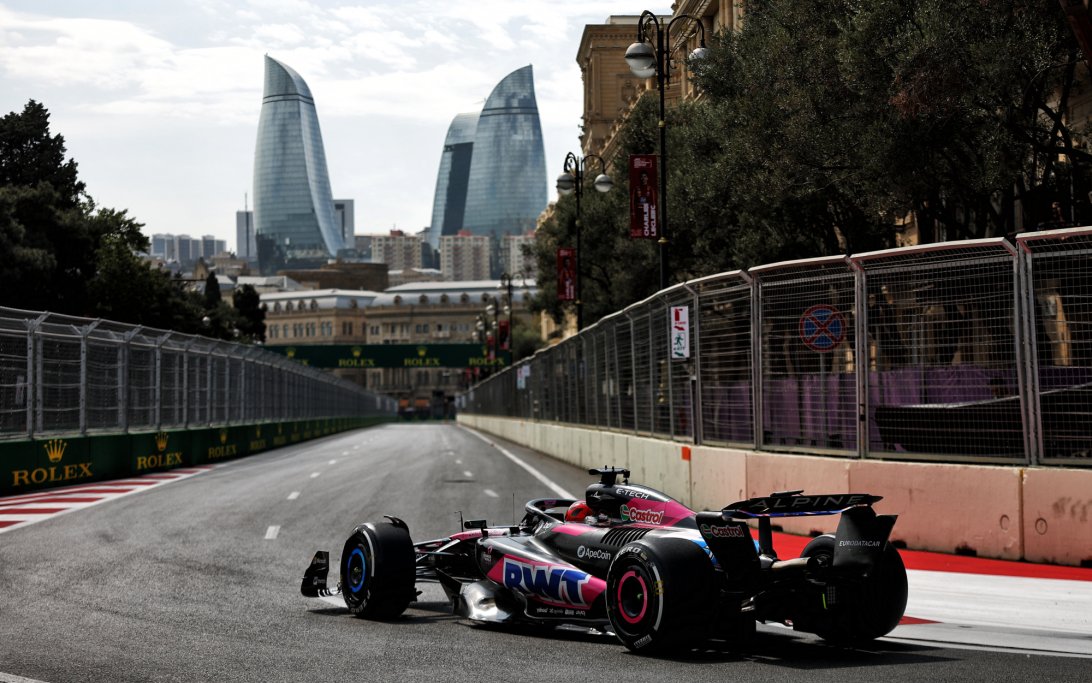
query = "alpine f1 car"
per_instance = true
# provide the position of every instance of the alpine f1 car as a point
(632, 560)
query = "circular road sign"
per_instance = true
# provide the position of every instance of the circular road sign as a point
(822, 327)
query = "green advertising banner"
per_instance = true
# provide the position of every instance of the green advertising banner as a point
(352, 356)
(63, 460)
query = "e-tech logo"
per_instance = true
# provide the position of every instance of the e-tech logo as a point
(630, 514)
(558, 585)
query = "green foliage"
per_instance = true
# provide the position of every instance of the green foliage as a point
(248, 304)
(29, 155)
(826, 124)
(59, 252)
(213, 295)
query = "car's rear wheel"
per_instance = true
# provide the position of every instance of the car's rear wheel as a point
(862, 610)
(377, 571)
(659, 595)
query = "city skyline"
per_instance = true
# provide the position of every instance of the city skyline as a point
(160, 109)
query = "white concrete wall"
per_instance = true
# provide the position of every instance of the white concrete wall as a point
(1037, 514)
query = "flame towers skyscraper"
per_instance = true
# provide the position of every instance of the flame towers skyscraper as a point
(492, 178)
(294, 217)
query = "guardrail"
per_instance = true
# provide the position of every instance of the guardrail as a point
(67, 375)
(976, 351)
(85, 400)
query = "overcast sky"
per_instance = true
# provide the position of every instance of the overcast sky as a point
(158, 100)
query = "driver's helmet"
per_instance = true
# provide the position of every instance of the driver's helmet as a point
(579, 512)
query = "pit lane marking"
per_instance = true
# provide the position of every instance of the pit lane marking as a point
(294, 495)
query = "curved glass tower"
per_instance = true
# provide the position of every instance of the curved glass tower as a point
(294, 219)
(506, 190)
(449, 202)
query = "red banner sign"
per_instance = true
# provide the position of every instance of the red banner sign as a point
(566, 274)
(643, 197)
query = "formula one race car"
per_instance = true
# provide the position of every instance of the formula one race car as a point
(630, 559)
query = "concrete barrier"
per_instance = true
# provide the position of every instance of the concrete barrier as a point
(718, 476)
(1038, 514)
(1057, 522)
(949, 508)
(771, 472)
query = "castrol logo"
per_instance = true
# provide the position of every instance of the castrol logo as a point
(630, 514)
(722, 531)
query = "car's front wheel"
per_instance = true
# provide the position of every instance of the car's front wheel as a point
(659, 595)
(377, 571)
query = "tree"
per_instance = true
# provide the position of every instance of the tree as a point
(849, 115)
(60, 252)
(213, 296)
(29, 155)
(248, 305)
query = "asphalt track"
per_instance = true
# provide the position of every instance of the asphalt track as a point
(196, 578)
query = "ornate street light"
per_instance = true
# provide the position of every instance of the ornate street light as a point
(506, 284)
(572, 180)
(646, 61)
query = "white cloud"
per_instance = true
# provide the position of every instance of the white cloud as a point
(180, 91)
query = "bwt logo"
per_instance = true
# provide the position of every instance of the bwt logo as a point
(557, 584)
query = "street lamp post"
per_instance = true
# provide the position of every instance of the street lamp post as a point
(572, 180)
(645, 61)
(506, 284)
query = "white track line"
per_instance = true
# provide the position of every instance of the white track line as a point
(294, 495)
(550, 484)
(271, 533)
(491, 493)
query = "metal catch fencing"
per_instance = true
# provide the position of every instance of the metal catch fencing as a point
(62, 374)
(973, 351)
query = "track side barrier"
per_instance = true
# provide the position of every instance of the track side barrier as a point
(64, 460)
(1034, 514)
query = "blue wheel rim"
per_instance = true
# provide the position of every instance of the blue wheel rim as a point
(357, 582)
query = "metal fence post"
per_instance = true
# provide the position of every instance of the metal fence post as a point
(84, 333)
(1027, 354)
(697, 413)
(863, 361)
(756, 360)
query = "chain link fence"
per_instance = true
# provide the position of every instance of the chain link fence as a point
(61, 374)
(973, 351)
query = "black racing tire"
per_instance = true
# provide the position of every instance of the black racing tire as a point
(868, 609)
(377, 571)
(658, 595)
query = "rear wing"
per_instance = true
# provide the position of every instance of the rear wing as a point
(861, 532)
(793, 503)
